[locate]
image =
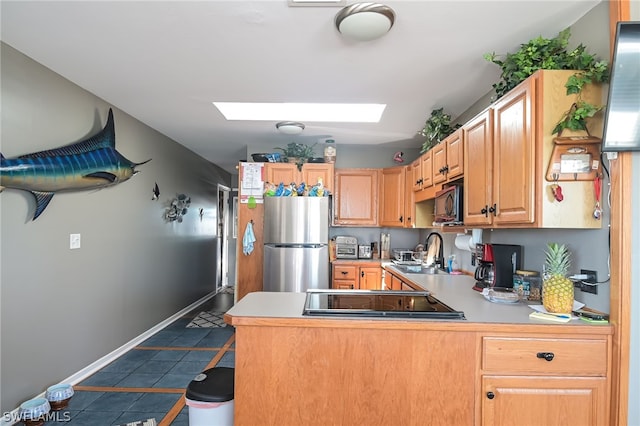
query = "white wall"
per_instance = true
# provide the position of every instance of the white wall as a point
(63, 309)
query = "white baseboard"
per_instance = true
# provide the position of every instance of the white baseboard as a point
(13, 417)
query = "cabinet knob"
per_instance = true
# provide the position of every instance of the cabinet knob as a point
(493, 209)
(491, 395)
(400, 219)
(362, 274)
(484, 211)
(344, 272)
(546, 355)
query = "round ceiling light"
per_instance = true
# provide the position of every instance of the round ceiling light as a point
(290, 127)
(365, 21)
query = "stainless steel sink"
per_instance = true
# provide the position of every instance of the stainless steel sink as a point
(418, 269)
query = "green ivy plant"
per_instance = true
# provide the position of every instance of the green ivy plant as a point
(552, 54)
(301, 152)
(575, 118)
(436, 128)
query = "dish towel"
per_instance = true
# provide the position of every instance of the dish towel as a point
(248, 239)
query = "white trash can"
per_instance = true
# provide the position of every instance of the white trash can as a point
(209, 397)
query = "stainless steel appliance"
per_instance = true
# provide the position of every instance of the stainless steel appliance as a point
(496, 265)
(448, 205)
(364, 251)
(346, 247)
(377, 303)
(296, 237)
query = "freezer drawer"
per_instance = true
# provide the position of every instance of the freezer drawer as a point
(295, 269)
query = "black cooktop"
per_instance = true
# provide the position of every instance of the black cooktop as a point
(377, 303)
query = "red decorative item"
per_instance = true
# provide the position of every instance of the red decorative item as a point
(556, 190)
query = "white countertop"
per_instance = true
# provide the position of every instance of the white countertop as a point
(453, 290)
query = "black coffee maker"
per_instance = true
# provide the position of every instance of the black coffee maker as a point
(496, 265)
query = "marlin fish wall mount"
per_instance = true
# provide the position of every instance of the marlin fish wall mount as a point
(89, 164)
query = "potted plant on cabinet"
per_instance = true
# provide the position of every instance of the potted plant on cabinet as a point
(436, 128)
(552, 54)
(297, 153)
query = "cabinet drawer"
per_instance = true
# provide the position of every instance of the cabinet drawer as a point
(344, 272)
(526, 355)
(344, 285)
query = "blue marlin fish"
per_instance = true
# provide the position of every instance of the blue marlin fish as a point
(89, 164)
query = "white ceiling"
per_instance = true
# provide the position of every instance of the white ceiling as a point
(164, 62)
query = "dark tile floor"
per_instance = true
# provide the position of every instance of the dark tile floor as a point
(149, 381)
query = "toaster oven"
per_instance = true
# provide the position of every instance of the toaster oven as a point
(346, 247)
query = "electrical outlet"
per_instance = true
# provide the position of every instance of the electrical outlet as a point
(592, 279)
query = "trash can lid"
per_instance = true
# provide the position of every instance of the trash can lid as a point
(212, 385)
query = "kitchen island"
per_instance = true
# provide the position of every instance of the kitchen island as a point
(495, 367)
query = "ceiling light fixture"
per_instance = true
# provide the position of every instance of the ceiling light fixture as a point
(290, 127)
(365, 21)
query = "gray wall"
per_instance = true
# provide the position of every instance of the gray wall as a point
(63, 309)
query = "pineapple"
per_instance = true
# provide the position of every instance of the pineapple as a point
(557, 289)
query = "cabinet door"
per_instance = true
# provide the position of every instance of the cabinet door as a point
(427, 169)
(392, 191)
(514, 156)
(281, 172)
(545, 401)
(409, 201)
(311, 173)
(416, 174)
(455, 155)
(477, 174)
(439, 159)
(356, 197)
(370, 278)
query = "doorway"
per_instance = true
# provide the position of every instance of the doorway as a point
(222, 265)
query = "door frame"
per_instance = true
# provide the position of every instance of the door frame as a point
(222, 233)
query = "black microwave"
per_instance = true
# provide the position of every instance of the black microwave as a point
(448, 205)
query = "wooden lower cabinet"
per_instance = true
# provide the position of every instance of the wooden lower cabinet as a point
(356, 275)
(544, 380)
(347, 373)
(395, 282)
(521, 401)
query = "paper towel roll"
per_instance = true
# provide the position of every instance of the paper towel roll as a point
(464, 242)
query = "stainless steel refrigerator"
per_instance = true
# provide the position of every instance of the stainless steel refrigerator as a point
(296, 238)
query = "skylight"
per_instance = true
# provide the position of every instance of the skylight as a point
(305, 112)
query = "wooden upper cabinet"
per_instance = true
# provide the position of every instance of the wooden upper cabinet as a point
(478, 178)
(422, 172)
(514, 156)
(356, 197)
(448, 158)
(310, 173)
(499, 181)
(427, 169)
(416, 174)
(392, 196)
(511, 144)
(409, 201)
(281, 172)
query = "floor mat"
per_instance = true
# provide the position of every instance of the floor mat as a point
(148, 422)
(208, 320)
